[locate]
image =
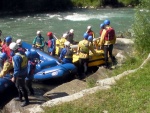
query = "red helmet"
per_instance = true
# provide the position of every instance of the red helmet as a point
(49, 34)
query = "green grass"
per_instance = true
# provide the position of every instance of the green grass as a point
(131, 94)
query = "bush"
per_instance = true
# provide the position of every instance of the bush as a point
(141, 27)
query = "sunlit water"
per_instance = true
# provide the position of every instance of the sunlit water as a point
(25, 26)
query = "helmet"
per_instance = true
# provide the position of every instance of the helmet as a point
(85, 35)
(89, 27)
(38, 32)
(106, 22)
(8, 39)
(3, 56)
(13, 46)
(90, 38)
(65, 35)
(71, 30)
(49, 34)
(28, 54)
(67, 43)
(19, 42)
(102, 25)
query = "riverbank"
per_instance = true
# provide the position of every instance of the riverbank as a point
(71, 87)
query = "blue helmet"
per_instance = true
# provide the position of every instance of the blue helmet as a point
(8, 39)
(85, 35)
(90, 38)
(28, 54)
(3, 56)
(106, 22)
(102, 26)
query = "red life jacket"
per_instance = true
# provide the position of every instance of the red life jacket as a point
(90, 33)
(110, 34)
(49, 43)
(8, 52)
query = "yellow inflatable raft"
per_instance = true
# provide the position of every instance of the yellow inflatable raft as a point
(94, 60)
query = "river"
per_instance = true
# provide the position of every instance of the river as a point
(25, 26)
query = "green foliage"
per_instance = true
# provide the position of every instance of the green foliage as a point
(82, 3)
(129, 2)
(141, 27)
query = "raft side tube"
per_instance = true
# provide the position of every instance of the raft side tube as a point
(45, 64)
(56, 72)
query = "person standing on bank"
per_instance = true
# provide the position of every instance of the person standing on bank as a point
(83, 50)
(20, 63)
(108, 39)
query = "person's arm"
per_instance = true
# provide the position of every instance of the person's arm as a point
(93, 34)
(5, 69)
(78, 49)
(102, 38)
(34, 41)
(91, 48)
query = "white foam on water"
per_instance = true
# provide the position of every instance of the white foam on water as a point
(84, 17)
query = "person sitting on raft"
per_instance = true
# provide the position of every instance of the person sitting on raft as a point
(38, 41)
(70, 36)
(51, 43)
(66, 53)
(62, 42)
(83, 50)
(20, 48)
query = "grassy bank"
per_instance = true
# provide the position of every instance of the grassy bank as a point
(131, 94)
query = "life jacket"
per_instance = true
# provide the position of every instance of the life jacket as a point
(91, 33)
(84, 48)
(69, 53)
(62, 41)
(39, 41)
(109, 35)
(49, 43)
(24, 60)
(7, 50)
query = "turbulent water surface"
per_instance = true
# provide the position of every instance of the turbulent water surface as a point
(25, 26)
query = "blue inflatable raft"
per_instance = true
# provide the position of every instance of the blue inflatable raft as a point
(49, 67)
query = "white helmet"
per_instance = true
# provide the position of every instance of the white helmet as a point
(67, 43)
(38, 32)
(65, 35)
(71, 30)
(19, 42)
(13, 46)
(89, 27)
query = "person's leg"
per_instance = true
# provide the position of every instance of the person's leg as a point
(111, 55)
(106, 55)
(29, 87)
(23, 91)
(19, 98)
